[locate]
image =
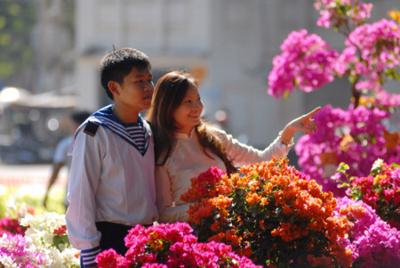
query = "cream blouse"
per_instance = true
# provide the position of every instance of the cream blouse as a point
(188, 160)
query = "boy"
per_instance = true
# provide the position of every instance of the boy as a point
(111, 183)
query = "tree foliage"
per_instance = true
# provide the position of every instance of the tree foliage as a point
(17, 20)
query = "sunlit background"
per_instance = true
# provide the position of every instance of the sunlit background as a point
(50, 50)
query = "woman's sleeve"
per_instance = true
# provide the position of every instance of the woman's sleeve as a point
(242, 154)
(166, 206)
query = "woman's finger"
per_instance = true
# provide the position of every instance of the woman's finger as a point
(313, 112)
(311, 127)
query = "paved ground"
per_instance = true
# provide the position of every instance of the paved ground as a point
(28, 183)
(18, 175)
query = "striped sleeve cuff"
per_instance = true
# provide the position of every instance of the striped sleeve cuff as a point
(88, 256)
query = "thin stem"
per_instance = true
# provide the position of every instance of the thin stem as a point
(356, 94)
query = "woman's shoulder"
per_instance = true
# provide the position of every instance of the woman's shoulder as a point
(163, 160)
(217, 132)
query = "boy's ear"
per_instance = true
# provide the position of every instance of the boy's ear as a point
(113, 87)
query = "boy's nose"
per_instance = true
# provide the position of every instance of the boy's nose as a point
(149, 86)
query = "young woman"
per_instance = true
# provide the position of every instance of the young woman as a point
(185, 146)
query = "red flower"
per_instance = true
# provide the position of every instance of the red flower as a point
(60, 230)
(111, 259)
(11, 226)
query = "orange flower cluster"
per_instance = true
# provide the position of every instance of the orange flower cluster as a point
(211, 183)
(271, 211)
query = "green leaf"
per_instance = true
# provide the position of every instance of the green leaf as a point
(353, 78)
(395, 165)
(356, 193)
(342, 168)
(60, 241)
(286, 94)
(5, 40)
(14, 9)
(3, 22)
(6, 69)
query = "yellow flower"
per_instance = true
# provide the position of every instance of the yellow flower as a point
(345, 143)
(394, 15)
(367, 101)
(378, 178)
(156, 245)
(264, 201)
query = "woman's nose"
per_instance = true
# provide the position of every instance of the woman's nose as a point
(198, 105)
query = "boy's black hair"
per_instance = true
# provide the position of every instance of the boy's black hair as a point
(79, 116)
(118, 63)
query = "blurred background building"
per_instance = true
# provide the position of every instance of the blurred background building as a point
(227, 44)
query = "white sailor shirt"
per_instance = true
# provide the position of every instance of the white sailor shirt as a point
(111, 178)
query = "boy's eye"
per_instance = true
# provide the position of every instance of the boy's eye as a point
(144, 81)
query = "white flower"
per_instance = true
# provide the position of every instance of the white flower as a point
(70, 257)
(41, 232)
(377, 166)
(7, 261)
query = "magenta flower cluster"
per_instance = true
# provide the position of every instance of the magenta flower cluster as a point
(371, 50)
(373, 242)
(355, 136)
(170, 245)
(20, 252)
(305, 62)
(386, 99)
(337, 13)
(380, 190)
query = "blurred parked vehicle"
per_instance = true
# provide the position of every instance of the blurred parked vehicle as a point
(31, 124)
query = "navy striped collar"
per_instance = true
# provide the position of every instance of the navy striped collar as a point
(107, 118)
(107, 112)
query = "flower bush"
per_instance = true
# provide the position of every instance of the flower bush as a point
(373, 242)
(371, 52)
(270, 212)
(17, 251)
(47, 232)
(37, 241)
(380, 190)
(355, 136)
(336, 13)
(306, 62)
(369, 59)
(170, 245)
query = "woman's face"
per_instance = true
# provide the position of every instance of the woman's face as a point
(188, 113)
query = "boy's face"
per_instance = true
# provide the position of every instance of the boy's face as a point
(135, 91)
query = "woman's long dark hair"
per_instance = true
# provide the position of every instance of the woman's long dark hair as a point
(169, 93)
